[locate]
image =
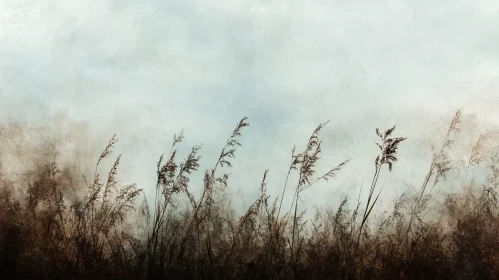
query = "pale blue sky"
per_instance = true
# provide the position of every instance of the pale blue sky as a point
(147, 69)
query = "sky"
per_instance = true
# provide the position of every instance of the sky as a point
(148, 69)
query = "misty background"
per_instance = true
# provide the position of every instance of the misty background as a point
(80, 71)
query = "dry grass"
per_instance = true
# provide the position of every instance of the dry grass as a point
(59, 228)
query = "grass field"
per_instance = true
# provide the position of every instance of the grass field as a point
(56, 225)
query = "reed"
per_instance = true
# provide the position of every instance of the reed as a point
(61, 224)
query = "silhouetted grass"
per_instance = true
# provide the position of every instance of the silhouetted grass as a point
(54, 227)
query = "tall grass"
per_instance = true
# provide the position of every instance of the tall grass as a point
(52, 226)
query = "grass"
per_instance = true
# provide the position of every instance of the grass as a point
(52, 226)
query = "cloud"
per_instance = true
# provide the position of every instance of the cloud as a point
(147, 69)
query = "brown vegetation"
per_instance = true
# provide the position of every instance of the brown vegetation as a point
(52, 226)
